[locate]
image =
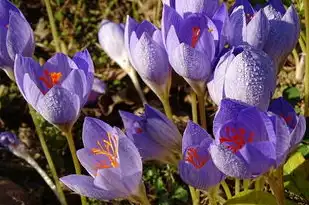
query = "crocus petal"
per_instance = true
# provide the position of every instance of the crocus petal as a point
(172, 40)
(203, 178)
(169, 18)
(194, 135)
(59, 106)
(83, 185)
(257, 30)
(150, 60)
(278, 5)
(238, 23)
(170, 3)
(5, 8)
(60, 63)
(198, 6)
(130, 26)
(31, 91)
(99, 86)
(246, 4)
(220, 17)
(272, 13)
(83, 61)
(228, 163)
(145, 27)
(190, 63)
(299, 131)
(251, 78)
(94, 131)
(206, 44)
(5, 60)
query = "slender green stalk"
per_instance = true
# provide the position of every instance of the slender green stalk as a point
(194, 107)
(77, 10)
(275, 181)
(201, 105)
(134, 79)
(306, 6)
(212, 193)
(167, 107)
(47, 155)
(259, 183)
(237, 186)
(77, 167)
(194, 195)
(226, 189)
(302, 45)
(246, 184)
(52, 25)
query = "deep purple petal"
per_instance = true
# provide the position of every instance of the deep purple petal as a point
(59, 106)
(157, 37)
(278, 5)
(228, 163)
(83, 61)
(6, 7)
(145, 27)
(206, 44)
(20, 39)
(220, 17)
(83, 185)
(95, 130)
(238, 23)
(203, 178)
(194, 135)
(5, 60)
(248, 9)
(169, 17)
(130, 27)
(257, 30)
(8, 139)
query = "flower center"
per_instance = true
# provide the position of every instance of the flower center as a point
(193, 157)
(236, 138)
(50, 79)
(108, 148)
(196, 32)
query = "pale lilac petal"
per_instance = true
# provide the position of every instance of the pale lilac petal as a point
(172, 41)
(83, 61)
(299, 131)
(169, 18)
(31, 91)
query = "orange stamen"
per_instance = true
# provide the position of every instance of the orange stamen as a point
(194, 158)
(196, 32)
(237, 138)
(109, 148)
(50, 79)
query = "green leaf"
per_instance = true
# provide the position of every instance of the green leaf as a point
(252, 197)
(296, 175)
(292, 95)
(180, 194)
(304, 150)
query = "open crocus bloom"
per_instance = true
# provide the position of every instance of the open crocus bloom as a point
(148, 56)
(59, 89)
(111, 159)
(245, 144)
(246, 74)
(290, 128)
(272, 28)
(16, 36)
(191, 45)
(197, 168)
(156, 137)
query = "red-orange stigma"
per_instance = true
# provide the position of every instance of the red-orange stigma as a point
(109, 148)
(196, 32)
(50, 79)
(237, 138)
(194, 158)
(138, 130)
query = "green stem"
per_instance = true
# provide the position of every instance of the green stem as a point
(134, 79)
(246, 183)
(52, 25)
(194, 107)
(167, 107)
(275, 181)
(259, 183)
(306, 5)
(201, 104)
(212, 193)
(195, 195)
(302, 45)
(226, 189)
(237, 186)
(47, 155)
(77, 167)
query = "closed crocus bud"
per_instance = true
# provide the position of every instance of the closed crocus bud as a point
(111, 38)
(197, 168)
(16, 34)
(244, 144)
(290, 128)
(148, 56)
(59, 89)
(191, 46)
(8, 139)
(246, 74)
(154, 134)
(111, 159)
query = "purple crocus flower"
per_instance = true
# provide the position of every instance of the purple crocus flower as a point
(16, 35)
(271, 28)
(290, 128)
(184, 7)
(8, 139)
(191, 45)
(111, 159)
(59, 89)
(245, 140)
(98, 88)
(156, 137)
(197, 168)
(148, 56)
(111, 38)
(246, 74)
